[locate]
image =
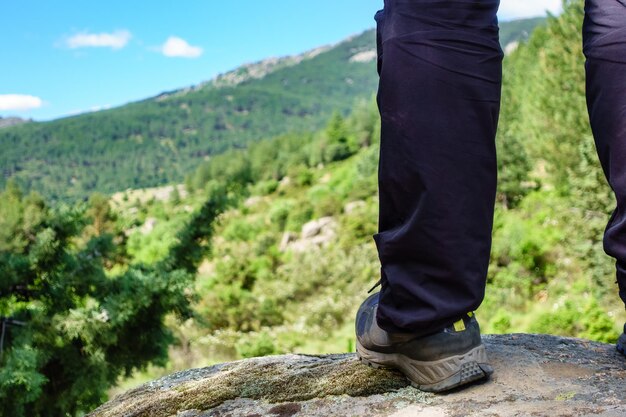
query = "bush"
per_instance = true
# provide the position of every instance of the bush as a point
(301, 214)
(241, 229)
(279, 213)
(578, 318)
(261, 345)
(264, 187)
(500, 322)
(327, 206)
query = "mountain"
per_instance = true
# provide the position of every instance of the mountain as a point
(161, 139)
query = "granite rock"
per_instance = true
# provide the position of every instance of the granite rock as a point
(534, 375)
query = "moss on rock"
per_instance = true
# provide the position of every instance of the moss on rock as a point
(274, 379)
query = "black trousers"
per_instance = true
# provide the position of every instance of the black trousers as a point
(604, 45)
(440, 69)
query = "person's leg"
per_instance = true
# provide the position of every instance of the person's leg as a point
(604, 45)
(440, 66)
(439, 96)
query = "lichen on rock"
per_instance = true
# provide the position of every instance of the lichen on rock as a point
(274, 379)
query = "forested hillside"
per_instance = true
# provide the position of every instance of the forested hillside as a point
(162, 139)
(518, 30)
(268, 248)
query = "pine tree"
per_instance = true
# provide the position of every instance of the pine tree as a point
(337, 146)
(70, 330)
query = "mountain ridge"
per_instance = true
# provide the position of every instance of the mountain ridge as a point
(160, 139)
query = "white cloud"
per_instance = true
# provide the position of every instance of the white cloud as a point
(177, 47)
(92, 109)
(99, 108)
(114, 40)
(19, 102)
(514, 9)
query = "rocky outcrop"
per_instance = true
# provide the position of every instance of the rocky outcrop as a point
(321, 226)
(354, 206)
(144, 195)
(316, 233)
(11, 121)
(535, 375)
(364, 56)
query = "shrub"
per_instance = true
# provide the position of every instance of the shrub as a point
(260, 345)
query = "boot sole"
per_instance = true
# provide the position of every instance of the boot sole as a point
(433, 376)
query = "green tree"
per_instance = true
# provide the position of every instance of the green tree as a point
(544, 98)
(83, 329)
(364, 122)
(99, 210)
(337, 146)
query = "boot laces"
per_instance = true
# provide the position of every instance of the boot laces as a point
(375, 285)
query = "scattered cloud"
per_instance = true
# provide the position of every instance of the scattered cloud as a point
(178, 47)
(99, 108)
(114, 40)
(92, 109)
(513, 9)
(19, 102)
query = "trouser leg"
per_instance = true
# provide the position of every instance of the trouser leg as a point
(438, 96)
(604, 42)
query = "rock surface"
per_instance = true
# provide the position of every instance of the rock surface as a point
(314, 234)
(535, 375)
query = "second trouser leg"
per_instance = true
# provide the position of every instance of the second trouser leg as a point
(604, 33)
(439, 97)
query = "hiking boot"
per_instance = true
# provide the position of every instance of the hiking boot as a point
(621, 342)
(437, 362)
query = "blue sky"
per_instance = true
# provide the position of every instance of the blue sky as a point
(68, 56)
